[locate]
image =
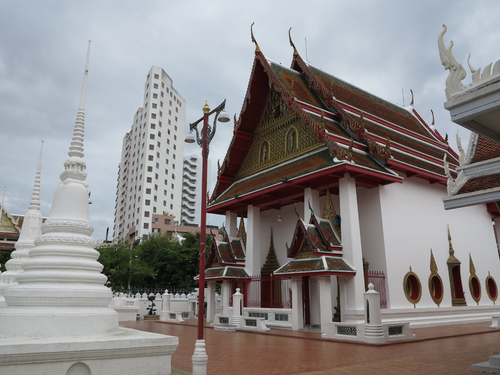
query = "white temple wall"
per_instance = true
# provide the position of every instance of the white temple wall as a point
(414, 221)
(370, 221)
(282, 231)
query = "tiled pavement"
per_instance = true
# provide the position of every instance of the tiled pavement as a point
(441, 350)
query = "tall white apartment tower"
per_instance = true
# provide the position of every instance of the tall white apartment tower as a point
(150, 172)
(191, 188)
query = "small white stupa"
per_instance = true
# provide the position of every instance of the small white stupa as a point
(57, 319)
(31, 229)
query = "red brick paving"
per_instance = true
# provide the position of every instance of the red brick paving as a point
(439, 350)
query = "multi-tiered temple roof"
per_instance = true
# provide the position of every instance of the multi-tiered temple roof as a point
(300, 126)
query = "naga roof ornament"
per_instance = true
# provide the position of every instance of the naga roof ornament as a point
(457, 72)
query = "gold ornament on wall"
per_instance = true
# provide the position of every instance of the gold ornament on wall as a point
(412, 287)
(491, 288)
(474, 283)
(457, 293)
(435, 283)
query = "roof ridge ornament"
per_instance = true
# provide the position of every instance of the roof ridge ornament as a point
(453, 185)
(412, 98)
(310, 208)
(460, 148)
(295, 53)
(457, 72)
(296, 213)
(257, 49)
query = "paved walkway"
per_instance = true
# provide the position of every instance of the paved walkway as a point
(439, 350)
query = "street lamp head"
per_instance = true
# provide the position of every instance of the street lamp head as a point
(223, 116)
(190, 138)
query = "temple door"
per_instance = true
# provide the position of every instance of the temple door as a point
(306, 300)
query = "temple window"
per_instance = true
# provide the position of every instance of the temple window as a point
(412, 287)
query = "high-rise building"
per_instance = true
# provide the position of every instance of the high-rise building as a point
(191, 187)
(150, 171)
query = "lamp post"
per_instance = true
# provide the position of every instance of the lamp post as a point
(199, 357)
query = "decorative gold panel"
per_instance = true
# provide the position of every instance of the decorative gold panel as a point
(491, 288)
(412, 287)
(474, 283)
(435, 283)
(280, 132)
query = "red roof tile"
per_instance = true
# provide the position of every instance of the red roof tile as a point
(486, 149)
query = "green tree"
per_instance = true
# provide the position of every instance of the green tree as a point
(173, 263)
(4, 257)
(123, 266)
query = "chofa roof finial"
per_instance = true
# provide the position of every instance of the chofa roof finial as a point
(257, 49)
(295, 53)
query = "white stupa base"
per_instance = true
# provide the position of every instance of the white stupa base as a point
(125, 352)
(57, 321)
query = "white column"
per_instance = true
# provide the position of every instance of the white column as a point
(297, 304)
(314, 303)
(497, 230)
(237, 303)
(374, 332)
(311, 196)
(210, 296)
(231, 223)
(225, 293)
(165, 301)
(342, 296)
(252, 261)
(351, 242)
(325, 301)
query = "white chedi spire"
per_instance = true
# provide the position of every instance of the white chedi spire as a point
(30, 230)
(61, 291)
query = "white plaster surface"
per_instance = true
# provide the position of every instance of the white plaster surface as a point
(126, 351)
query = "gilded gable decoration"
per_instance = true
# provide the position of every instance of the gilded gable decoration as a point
(310, 123)
(330, 214)
(292, 141)
(280, 136)
(264, 153)
(242, 232)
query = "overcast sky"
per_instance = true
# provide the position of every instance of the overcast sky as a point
(385, 47)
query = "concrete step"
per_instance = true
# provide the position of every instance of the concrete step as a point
(491, 367)
(225, 328)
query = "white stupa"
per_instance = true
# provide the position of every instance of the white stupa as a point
(31, 229)
(57, 319)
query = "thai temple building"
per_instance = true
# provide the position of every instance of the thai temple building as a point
(475, 106)
(10, 228)
(341, 189)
